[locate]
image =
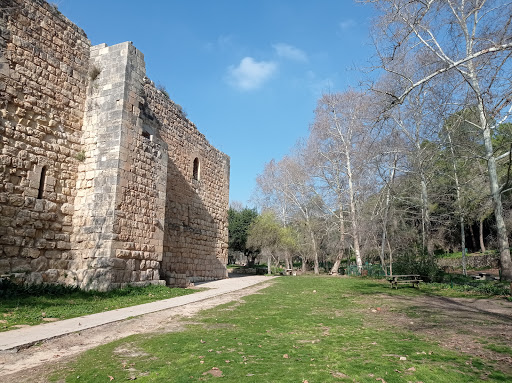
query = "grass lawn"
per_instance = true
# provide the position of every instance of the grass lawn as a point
(301, 329)
(38, 304)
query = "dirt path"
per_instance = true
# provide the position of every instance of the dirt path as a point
(466, 325)
(34, 363)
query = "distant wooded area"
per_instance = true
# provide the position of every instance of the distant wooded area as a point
(415, 162)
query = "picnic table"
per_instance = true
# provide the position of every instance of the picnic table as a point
(485, 276)
(395, 280)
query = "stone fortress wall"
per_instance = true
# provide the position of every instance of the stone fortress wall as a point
(103, 180)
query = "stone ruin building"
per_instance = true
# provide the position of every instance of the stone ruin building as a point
(103, 180)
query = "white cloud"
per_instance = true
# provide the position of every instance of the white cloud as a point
(250, 74)
(347, 24)
(223, 42)
(319, 86)
(290, 52)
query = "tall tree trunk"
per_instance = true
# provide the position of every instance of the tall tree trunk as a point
(459, 205)
(353, 212)
(386, 216)
(504, 249)
(315, 250)
(472, 237)
(481, 235)
(341, 250)
(269, 262)
(425, 216)
(390, 259)
(287, 261)
(463, 244)
(506, 262)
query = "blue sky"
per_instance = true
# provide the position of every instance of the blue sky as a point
(248, 73)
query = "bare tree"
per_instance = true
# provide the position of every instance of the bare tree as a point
(286, 186)
(468, 39)
(342, 134)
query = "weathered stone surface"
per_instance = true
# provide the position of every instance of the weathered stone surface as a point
(474, 261)
(103, 180)
(30, 253)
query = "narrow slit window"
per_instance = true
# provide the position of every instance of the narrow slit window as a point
(146, 134)
(42, 181)
(195, 173)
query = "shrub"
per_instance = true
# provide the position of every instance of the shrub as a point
(94, 72)
(162, 89)
(80, 156)
(418, 263)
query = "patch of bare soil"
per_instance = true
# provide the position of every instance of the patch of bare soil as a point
(33, 364)
(462, 324)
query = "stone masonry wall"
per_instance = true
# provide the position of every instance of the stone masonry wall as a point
(43, 79)
(196, 233)
(103, 180)
(473, 262)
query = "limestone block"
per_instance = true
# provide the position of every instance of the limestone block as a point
(20, 265)
(51, 207)
(49, 234)
(51, 276)
(30, 253)
(53, 254)
(29, 201)
(101, 263)
(67, 209)
(63, 245)
(61, 264)
(5, 266)
(5, 160)
(99, 279)
(62, 237)
(34, 278)
(16, 200)
(118, 264)
(11, 251)
(69, 278)
(132, 264)
(39, 264)
(123, 253)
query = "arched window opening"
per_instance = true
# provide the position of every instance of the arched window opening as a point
(42, 181)
(195, 173)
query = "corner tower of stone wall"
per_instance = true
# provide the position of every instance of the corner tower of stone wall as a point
(121, 193)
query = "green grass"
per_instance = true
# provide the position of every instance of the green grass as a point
(30, 305)
(458, 285)
(499, 348)
(314, 329)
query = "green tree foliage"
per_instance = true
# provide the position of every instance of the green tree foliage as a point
(238, 226)
(265, 233)
(268, 236)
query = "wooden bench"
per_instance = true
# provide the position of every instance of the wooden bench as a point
(413, 279)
